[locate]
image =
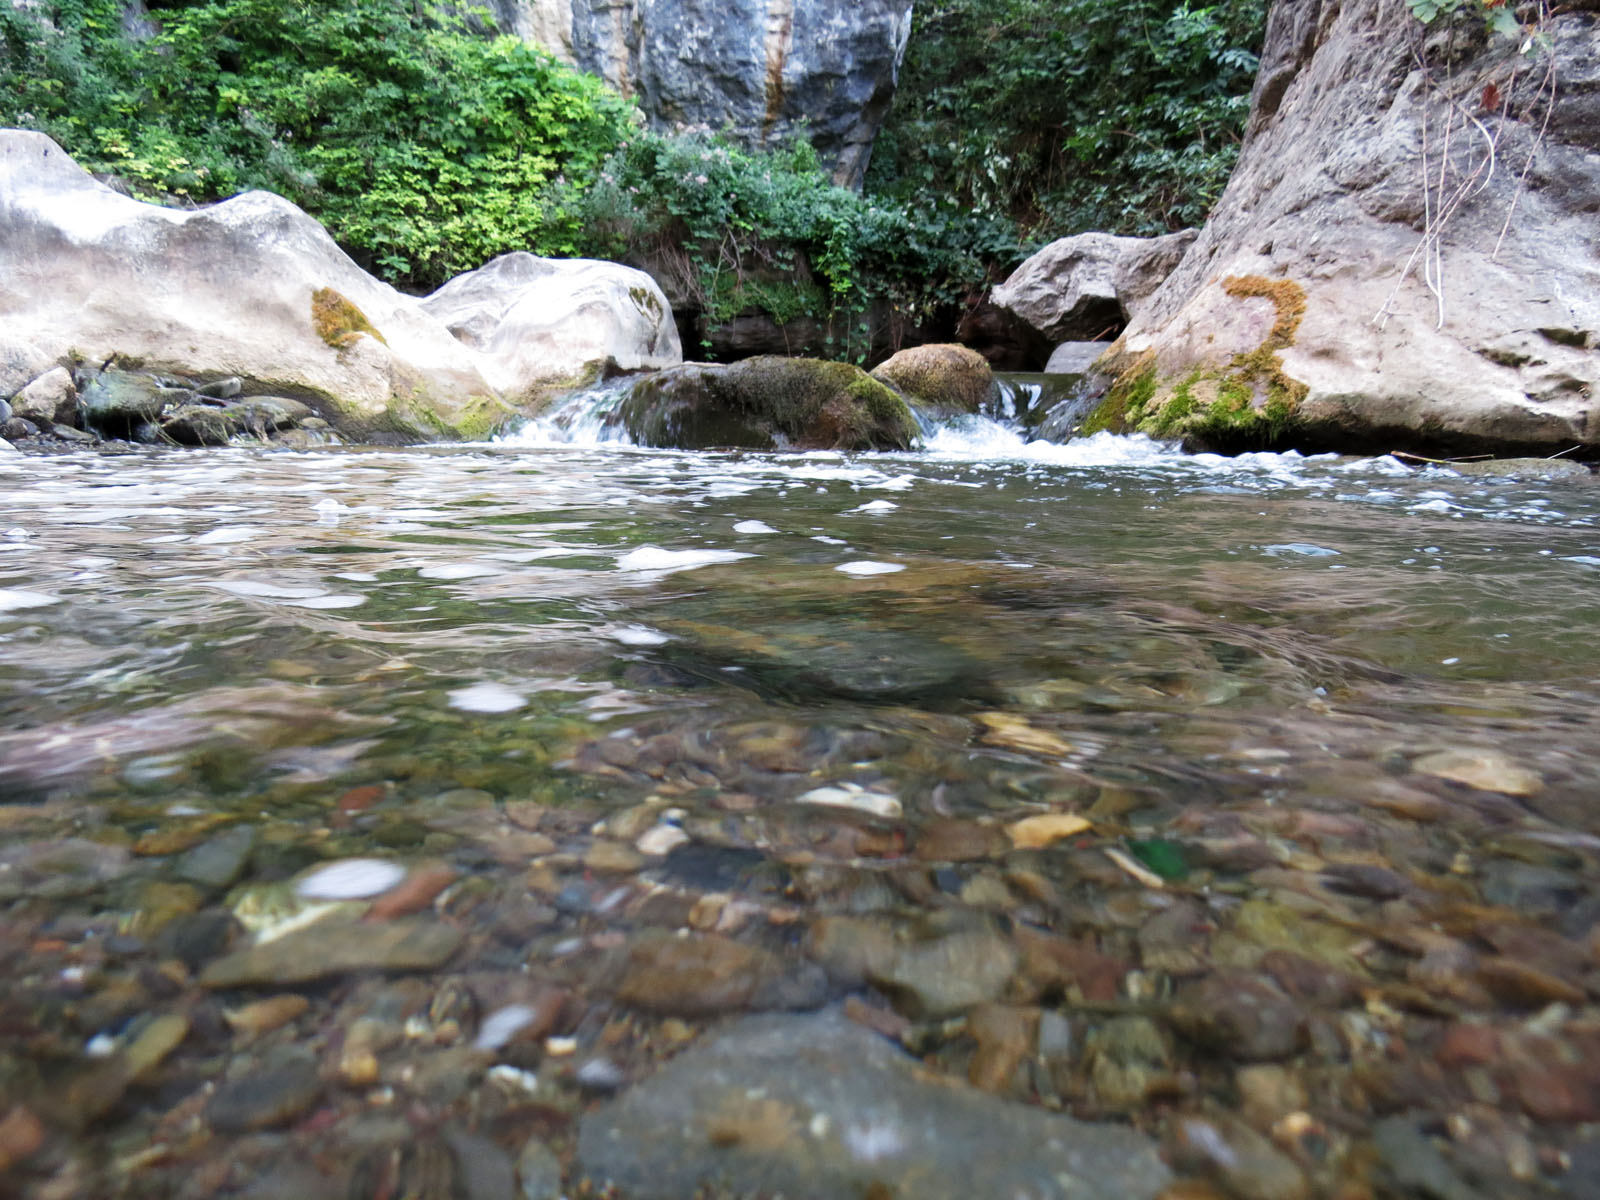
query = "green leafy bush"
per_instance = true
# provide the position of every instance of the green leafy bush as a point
(1066, 115)
(767, 231)
(424, 148)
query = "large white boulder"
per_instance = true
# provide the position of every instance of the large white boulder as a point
(539, 325)
(257, 289)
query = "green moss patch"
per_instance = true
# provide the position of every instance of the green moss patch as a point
(820, 405)
(768, 402)
(339, 322)
(943, 377)
(1248, 400)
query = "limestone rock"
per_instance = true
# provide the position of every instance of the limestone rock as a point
(330, 948)
(818, 1106)
(541, 323)
(1075, 358)
(1302, 316)
(1090, 285)
(225, 290)
(767, 403)
(946, 378)
(20, 362)
(822, 69)
(47, 399)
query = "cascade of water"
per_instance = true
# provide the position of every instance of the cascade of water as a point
(585, 418)
(1034, 410)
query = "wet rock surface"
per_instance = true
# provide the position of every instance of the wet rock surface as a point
(766, 403)
(820, 1106)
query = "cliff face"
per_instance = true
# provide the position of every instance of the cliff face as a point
(761, 69)
(1407, 253)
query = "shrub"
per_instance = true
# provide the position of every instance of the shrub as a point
(1067, 115)
(424, 148)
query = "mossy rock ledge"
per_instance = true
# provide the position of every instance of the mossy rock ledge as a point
(1214, 400)
(766, 403)
(941, 378)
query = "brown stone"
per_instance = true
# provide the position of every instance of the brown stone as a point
(693, 976)
(959, 841)
(1005, 1037)
(415, 892)
(1313, 982)
(1468, 1044)
(1051, 962)
(263, 1016)
(1524, 984)
(21, 1135)
(326, 949)
(1558, 1094)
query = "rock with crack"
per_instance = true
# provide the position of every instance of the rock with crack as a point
(1335, 300)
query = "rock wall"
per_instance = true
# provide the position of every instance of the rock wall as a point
(761, 69)
(1336, 300)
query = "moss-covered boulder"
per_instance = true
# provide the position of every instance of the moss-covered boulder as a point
(1227, 395)
(942, 377)
(767, 403)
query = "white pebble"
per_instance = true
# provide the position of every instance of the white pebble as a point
(660, 839)
(850, 795)
(351, 879)
(500, 1026)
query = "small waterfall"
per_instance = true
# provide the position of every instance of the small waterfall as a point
(1045, 407)
(1027, 407)
(584, 418)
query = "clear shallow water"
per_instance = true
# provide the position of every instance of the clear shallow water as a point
(1307, 607)
(516, 659)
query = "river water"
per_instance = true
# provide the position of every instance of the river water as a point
(1329, 727)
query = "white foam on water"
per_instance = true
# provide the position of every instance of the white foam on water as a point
(261, 589)
(15, 598)
(875, 506)
(1303, 549)
(487, 698)
(654, 558)
(228, 535)
(866, 567)
(460, 571)
(639, 635)
(329, 601)
(753, 527)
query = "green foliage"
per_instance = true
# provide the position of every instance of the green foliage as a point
(1496, 14)
(425, 149)
(1066, 115)
(767, 230)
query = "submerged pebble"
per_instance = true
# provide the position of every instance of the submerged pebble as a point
(350, 879)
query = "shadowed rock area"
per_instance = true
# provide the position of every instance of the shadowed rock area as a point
(818, 1106)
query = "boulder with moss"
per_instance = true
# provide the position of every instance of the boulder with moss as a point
(1353, 289)
(251, 287)
(767, 403)
(941, 378)
(542, 325)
